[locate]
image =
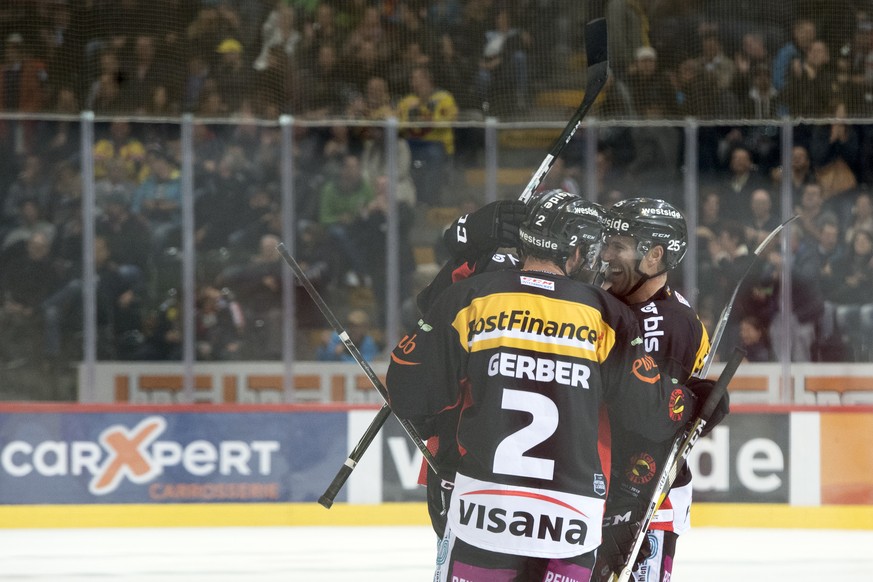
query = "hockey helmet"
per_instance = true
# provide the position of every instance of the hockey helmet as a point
(557, 223)
(650, 222)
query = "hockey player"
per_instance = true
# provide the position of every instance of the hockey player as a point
(529, 364)
(646, 238)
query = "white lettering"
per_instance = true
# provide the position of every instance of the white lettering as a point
(539, 369)
(755, 457)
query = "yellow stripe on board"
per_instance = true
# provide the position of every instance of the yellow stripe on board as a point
(342, 514)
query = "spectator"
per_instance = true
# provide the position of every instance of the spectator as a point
(812, 213)
(861, 216)
(375, 164)
(411, 55)
(256, 283)
(118, 311)
(375, 103)
(752, 52)
(320, 32)
(358, 329)
(342, 199)
(115, 185)
(761, 99)
(128, 236)
(645, 80)
(23, 79)
(32, 183)
(143, 76)
(121, 145)
(197, 79)
(28, 275)
(736, 190)
(369, 35)
(716, 64)
(731, 258)
(853, 274)
(801, 173)
(655, 167)
(807, 299)
(220, 325)
(278, 30)
(369, 232)
(833, 150)
(30, 221)
(233, 77)
(503, 67)
(431, 146)
(159, 198)
(763, 219)
(808, 90)
(628, 31)
(754, 340)
(222, 201)
(803, 33)
(828, 252)
(326, 91)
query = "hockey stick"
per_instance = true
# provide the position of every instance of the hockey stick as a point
(679, 451)
(596, 75)
(346, 469)
(595, 79)
(678, 454)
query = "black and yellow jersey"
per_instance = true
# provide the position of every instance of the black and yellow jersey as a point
(525, 364)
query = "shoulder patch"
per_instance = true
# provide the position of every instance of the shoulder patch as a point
(681, 299)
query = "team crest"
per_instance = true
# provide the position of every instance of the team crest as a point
(677, 405)
(642, 469)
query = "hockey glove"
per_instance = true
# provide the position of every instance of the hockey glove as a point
(483, 231)
(618, 541)
(702, 389)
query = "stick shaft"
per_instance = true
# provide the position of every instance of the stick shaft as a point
(368, 437)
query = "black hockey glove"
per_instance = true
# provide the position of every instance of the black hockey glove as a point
(702, 389)
(618, 541)
(485, 230)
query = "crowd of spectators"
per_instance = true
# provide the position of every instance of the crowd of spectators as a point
(420, 62)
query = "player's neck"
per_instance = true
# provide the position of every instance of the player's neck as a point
(541, 266)
(647, 290)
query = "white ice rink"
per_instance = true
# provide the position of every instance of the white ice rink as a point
(386, 554)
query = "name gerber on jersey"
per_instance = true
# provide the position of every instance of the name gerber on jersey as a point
(521, 321)
(539, 369)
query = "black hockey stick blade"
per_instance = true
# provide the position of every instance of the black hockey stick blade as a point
(327, 498)
(596, 76)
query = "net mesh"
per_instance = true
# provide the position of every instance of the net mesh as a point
(727, 60)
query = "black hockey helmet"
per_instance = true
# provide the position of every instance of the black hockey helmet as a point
(650, 222)
(557, 223)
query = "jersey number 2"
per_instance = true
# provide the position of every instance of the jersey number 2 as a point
(509, 457)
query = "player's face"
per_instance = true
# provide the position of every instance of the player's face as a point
(620, 257)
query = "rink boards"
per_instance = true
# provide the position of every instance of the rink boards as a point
(225, 465)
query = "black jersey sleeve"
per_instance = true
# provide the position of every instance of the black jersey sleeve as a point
(640, 396)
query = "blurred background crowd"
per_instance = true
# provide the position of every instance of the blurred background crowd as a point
(738, 68)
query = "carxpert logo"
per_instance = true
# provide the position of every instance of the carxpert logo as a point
(136, 454)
